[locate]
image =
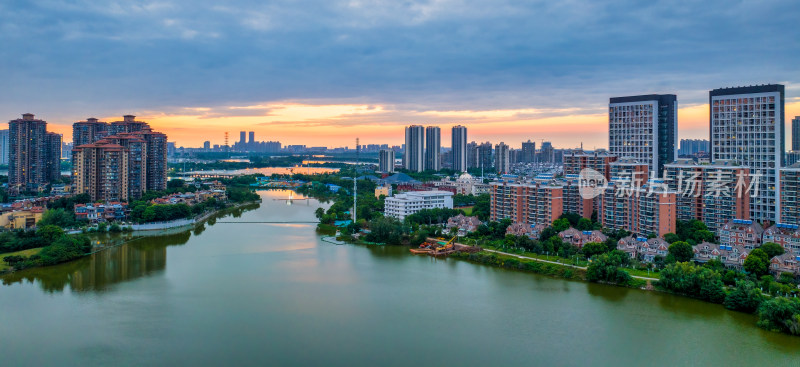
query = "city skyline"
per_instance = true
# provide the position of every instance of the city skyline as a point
(537, 70)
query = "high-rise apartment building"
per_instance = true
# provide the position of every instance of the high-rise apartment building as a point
(206, 145)
(692, 146)
(527, 203)
(645, 128)
(485, 161)
(528, 154)
(4, 146)
(34, 157)
(433, 148)
(790, 194)
(122, 165)
(747, 126)
(713, 193)
(386, 161)
(547, 153)
(103, 171)
(796, 133)
(127, 125)
(648, 210)
(252, 137)
(502, 161)
(598, 160)
(472, 154)
(459, 148)
(414, 156)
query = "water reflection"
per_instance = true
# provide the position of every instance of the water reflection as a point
(125, 257)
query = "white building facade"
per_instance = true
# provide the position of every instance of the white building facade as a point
(402, 205)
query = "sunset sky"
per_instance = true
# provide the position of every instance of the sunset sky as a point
(325, 72)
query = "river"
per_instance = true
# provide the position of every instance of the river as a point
(278, 295)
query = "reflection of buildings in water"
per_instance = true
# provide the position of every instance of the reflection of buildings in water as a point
(118, 264)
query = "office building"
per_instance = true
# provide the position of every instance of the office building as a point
(34, 157)
(502, 161)
(644, 128)
(790, 194)
(414, 157)
(386, 161)
(747, 126)
(459, 148)
(433, 148)
(402, 205)
(712, 193)
(528, 154)
(4, 146)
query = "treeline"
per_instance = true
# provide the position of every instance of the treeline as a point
(774, 301)
(57, 247)
(532, 266)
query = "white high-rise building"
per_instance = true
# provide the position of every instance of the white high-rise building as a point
(459, 144)
(386, 161)
(747, 126)
(644, 128)
(4, 146)
(501, 159)
(433, 148)
(414, 157)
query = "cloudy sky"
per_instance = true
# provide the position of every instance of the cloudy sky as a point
(323, 72)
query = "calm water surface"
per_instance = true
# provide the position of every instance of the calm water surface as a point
(278, 295)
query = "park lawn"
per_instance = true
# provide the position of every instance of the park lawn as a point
(467, 210)
(26, 253)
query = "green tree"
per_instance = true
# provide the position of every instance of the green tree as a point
(680, 251)
(584, 225)
(745, 297)
(780, 314)
(693, 281)
(58, 217)
(605, 268)
(757, 262)
(772, 249)
(49, 233)
(594, 248)
(561, 225)
(671, 238)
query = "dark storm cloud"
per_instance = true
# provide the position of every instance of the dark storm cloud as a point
(81, 56)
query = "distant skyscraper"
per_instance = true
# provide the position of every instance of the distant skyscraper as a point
(693, 146)
(4, 146)
(485, 156)
(433, 148)
(747, 127)
(547, 153)
(34, 154)
(386, 161)
(796, 133)
(645, 128)
(414, 157)
(242, 136)
(206, 145)
(472, 154)
(502, 161)
(459, 146)
(528, 154)
(252, 137)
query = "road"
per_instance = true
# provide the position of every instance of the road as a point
(555, 262)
